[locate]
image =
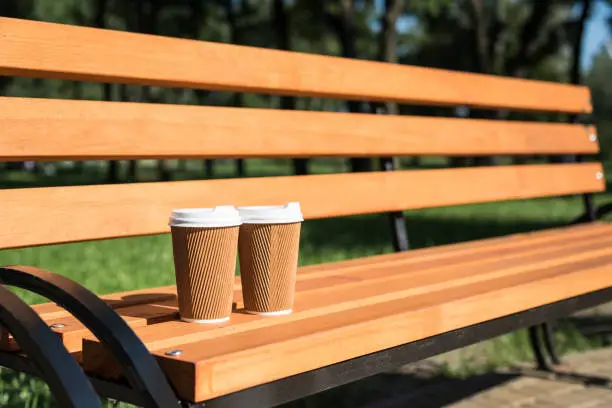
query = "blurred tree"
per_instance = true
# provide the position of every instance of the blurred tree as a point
(99, 20)
(576, 34)
(17, 9)
(388, 40)
(281, 19)
(341, 18)
(387, 43)
(577, 42)
(503, 37)
(234, 9)
(599, 81)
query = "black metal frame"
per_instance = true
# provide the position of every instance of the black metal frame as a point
(396, 218)
(139, 366)
(592, 213)
(48, 356)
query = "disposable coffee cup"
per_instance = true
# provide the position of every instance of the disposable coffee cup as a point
(268, 248)
(204, 243)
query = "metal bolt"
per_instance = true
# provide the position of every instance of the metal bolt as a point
(599, 175)
(57, 326)
(593, 137)
(174, 353)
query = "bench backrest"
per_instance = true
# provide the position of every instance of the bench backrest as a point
(45, 129)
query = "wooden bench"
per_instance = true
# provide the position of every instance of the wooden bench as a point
(352, 319)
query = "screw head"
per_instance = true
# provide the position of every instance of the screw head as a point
(599, 175)
(593, 137)
(174, 353)
(57, 326)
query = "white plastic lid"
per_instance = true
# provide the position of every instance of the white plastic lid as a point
(272, 214)
(221, 216)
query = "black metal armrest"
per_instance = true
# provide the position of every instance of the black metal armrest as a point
(140, 367)
(45, 351)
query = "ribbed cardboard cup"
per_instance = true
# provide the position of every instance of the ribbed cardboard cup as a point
(268, 248)
(204, 261)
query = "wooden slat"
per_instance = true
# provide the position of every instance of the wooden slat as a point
(333, 275)
(47, 129)
(50, 311)
(348, 288)
(38, 216)
(416, 259)
(338, 337)
(47, 50)
(73, 331)
(316, 279)
(434, 298)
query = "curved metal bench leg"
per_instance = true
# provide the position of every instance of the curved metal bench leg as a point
(59, 369)
(538, 352)
(548, 332)
(140, 367)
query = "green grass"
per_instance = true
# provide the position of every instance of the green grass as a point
(133, 263)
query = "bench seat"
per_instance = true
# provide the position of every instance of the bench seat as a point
(352, 308)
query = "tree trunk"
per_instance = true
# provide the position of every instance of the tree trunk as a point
(235, 38)
(387, 43)
(132, 175)
(197, 18)
(148, 21)
(283, 42)
(77, 93)
(575, 73)
(482, 59)
(107, 90)
(344, 27)
(575, 76)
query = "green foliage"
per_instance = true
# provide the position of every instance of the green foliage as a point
(599, 80)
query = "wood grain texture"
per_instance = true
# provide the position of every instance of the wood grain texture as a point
(374, 307)
(351, 287)
(323, 277)
(50, 311)
(47, 129)
(72, 330)
(338, 337)
(37, 216)
(47, 50)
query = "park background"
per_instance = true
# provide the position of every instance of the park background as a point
(561, 40)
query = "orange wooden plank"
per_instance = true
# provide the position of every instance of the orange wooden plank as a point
(46, 129)
(159, 304)
(48, 50)
(154, 306)
(371, 283)
(49, 311)
(365, 331)
(227, 362)
(365, 285)
(510, 242)
(37, 216)
(72, 331)
(456, 252)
